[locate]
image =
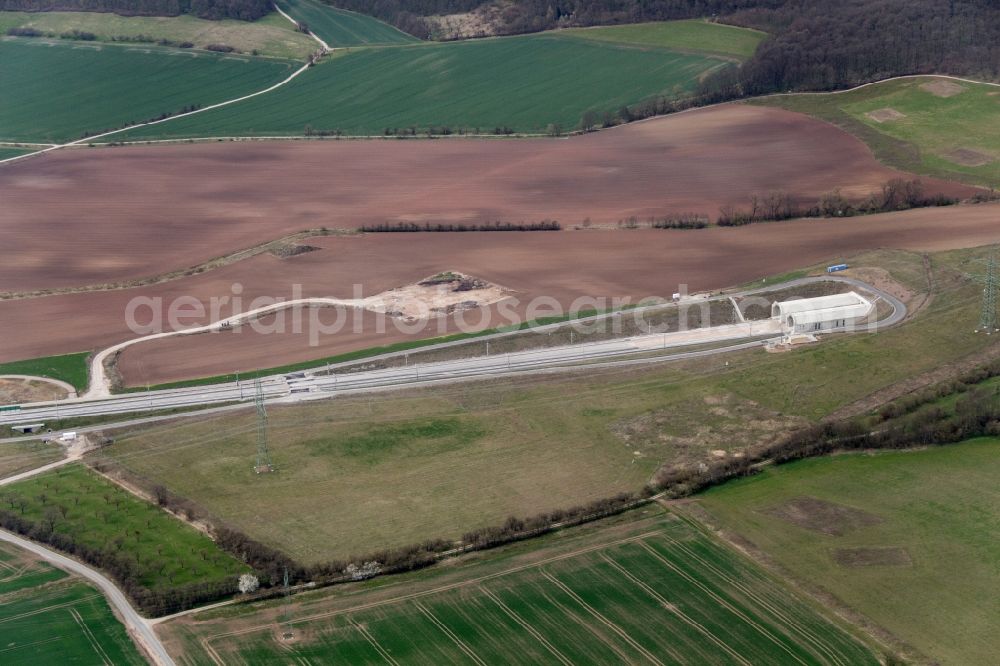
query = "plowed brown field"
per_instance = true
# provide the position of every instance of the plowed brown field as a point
(92, 216)
(564, 265)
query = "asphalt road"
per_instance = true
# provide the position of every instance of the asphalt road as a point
(306, 385)
(137, 626)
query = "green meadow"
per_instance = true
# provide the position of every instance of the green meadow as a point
(66, 90)
(918, 554)
(693, 35)
(522, 83)
(929, 125)
(338, 27)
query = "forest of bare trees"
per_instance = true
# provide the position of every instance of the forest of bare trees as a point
(814, 45)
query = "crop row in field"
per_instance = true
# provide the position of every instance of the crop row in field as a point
(47, 618)
(67, 89)
(662, 593)
(521, 83)
(272, 35)
(931, 125)
(338, 27)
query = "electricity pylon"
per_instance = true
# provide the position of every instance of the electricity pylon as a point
(263, 457)
(988, 316)
(287, 610)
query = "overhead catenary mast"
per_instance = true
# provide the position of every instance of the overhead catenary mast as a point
(263, 457)
(988, 322)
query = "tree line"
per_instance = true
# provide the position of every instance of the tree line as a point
(543, 225)
(896, 194)
(812, 45)
(907, 422)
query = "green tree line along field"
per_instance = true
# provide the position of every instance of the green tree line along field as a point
(928, 125)
(475, 454)
(908, 538)
(48, 617)
(521, 83)
(642, 589)
(273, 35)
(112, 85)
(339, 28)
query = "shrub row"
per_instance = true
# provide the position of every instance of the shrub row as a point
(977, 413)
(897, 194)
(912, 402)
(544, 225)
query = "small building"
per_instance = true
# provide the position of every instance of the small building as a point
(28, 428)
(823, 313)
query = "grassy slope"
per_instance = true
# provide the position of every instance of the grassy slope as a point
(168, 552)
(272, 35)
(536, 445)
(342, 28)
(932, 127)
(400, 470)
(562, 588)
(691, 35)
(938, 504)
(70, 368)
(522, 82)
(811, 382)
(47, 617)
(111, 85)
(21, 456)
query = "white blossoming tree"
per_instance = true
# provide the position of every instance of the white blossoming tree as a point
(366, 570)
(248, 583)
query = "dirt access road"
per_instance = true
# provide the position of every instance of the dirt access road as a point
(563, 265)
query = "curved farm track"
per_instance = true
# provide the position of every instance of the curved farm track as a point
(564, 265)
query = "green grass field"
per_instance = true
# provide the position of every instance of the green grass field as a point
(18, 457)
(47, 617)
(525, 83)
(936, 534)
(113, 85)
(450, 459)
(930, 130)
(339, 28)
(272, 35)
(99, 514)
(70, 368)
(694, 35)
(13, 152)
(641, 588)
